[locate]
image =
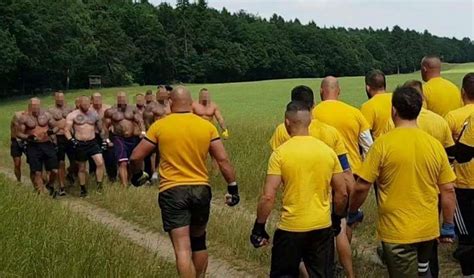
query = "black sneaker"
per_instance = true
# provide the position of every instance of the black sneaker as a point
(62, 192)
(83, 192)
(50, 189)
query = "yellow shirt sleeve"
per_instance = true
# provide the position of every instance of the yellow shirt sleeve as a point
(448, 137)
(274, 164)
(364, 125)
(368, 115)
(339, 148)
(369, 170)
(446, 174)
(279, 137)
(152, 133)
(451, 123)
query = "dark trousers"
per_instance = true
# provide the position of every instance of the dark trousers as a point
(464, 218)
(315, 248)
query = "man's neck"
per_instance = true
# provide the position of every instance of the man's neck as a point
(468, 101)
(97, 107)
(405, 123)
(299, 132)
(377, 92)
(433, 75)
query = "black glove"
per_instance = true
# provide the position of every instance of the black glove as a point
(74, 142)
(259, 235)
(355, 217)
(336, 223)
(232, 197)
(50, 132)
(140, 178)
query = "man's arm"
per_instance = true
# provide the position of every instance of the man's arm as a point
(219, 118)
(448, 202)
(69, 126)
(106, 123)
(358, 195)
(139, 120)
(339, 187)
(218, 152)
(142, 150)
(267, 200)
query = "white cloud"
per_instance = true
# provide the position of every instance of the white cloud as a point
(440, 17)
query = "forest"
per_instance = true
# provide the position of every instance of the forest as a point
(49, 45)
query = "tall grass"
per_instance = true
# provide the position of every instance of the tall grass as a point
(39, 238)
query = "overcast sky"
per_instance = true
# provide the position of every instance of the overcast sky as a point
(440, 17)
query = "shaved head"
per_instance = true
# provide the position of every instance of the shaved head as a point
(430, 67)
(84, 103)
(122, 100)
(297, 117)
(330, 88)
(181, 100)
(162, 95)
(59, 98)
(204, 96)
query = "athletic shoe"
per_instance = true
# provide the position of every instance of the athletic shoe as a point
(83, 192)
(62, 192)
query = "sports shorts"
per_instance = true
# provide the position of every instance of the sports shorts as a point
(185, 205)
(86, 149)
(42, 154)
(15, 149)
(315, 248)
(123, 147)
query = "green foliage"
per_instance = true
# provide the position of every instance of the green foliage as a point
(57, 44)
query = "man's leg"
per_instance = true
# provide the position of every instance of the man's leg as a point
(110, 164)
(464, 218)
(180, 237)
(425, 252)
(17, 167)
(199, 250)
(344, 252)
(401, 260)
(81, 165)
(123, 172)
(99, 171)
(318, 253)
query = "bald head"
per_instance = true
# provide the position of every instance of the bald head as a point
(162, 95)
(204, 96)
(330, 89)
(122, 100)
(181, 100)
(430, 67)
(59, 99)
(96, 99)
(84, 103)
(35, 106)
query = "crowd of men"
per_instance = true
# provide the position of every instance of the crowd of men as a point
(414, 146)
(93, 133)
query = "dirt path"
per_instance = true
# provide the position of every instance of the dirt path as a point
(152, 241)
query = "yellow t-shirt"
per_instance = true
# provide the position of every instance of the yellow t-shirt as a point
(377, 111)
(183, 141)
(408, 165)
(456, 120)
(306, 166)
(350, 123)
(318, 130)
(441, 96)
(433, 124)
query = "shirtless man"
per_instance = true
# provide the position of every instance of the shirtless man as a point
(149, 97)
(81, 125)
(18, 146)
(209, 110)
(37, 128)
(59, 113)
(140, 103)
(126, 124)
(107, 151)
(154, 111)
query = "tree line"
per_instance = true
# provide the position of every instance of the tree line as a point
(57, 44)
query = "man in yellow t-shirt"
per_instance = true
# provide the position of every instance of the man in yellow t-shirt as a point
(430, 122)
(441, 95)
(458, 121)
(308, 169)
(184, 141)
(331, 137)
(348, 120)
(411, 168)
(379, 106)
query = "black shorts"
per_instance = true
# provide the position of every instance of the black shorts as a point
(63, 147)
(185, 205)
(42, 154)
(464, 218)
(15, 149)
(123, 147)
(315, 248)
(87, 149)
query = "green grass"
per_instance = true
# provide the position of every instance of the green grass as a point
(252, 110)
(39, 238)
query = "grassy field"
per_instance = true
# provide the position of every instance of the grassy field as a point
(41, 239)
(252, 110)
